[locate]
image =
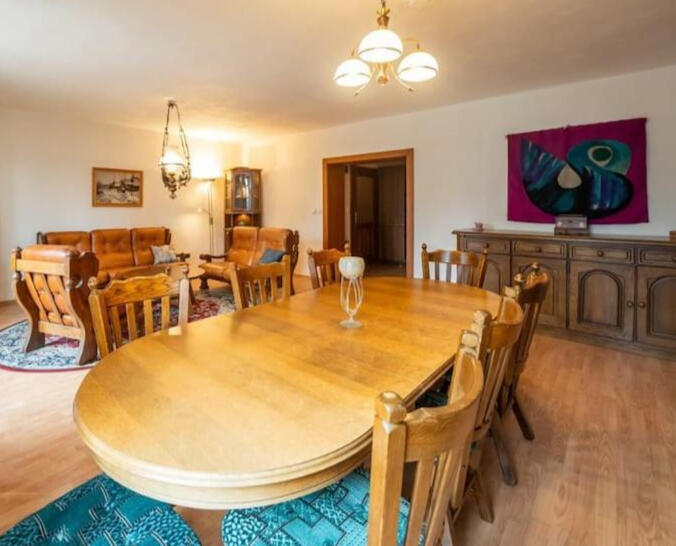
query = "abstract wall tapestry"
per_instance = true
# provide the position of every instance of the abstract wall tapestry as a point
(596, 170)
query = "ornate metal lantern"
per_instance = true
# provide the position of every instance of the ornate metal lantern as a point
(175, 160)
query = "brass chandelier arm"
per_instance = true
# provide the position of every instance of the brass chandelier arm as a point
(365, 85)
(401, 82)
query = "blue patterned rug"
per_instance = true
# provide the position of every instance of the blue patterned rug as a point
(60, 353)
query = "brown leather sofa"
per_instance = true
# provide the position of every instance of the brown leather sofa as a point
(246, 245)
(119, 251)
(50, 284)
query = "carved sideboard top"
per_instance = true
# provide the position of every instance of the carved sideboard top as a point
(516, 234)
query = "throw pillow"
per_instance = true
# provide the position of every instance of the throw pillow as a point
(163, 254)
(271, 256)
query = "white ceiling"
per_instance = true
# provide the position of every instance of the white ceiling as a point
(242, 68)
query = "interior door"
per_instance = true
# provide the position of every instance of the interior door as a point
(364, 209)
(334, 205)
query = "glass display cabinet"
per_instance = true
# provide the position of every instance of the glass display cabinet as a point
(243, 194)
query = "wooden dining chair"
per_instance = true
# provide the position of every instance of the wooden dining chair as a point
(496, 338)
(436, 441)
(115, 308)
(259, 284)
(530, 292)
(323, 265)
(470, 268)
(493, 340)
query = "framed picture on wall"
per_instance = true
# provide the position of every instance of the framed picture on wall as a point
(117, 187)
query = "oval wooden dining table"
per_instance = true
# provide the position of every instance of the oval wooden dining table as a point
(270, 403)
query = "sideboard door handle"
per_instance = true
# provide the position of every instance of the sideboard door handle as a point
(600, 253)
(641, 304)
(630, 304)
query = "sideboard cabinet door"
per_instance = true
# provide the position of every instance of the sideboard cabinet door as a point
(553, 312)
(602, 299)
(656, 301)
(497, 273)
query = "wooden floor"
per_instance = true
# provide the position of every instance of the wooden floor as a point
(601, 471)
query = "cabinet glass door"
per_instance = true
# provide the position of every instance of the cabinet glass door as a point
(243, 191)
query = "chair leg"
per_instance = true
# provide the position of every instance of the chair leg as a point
(88, 350)
(34, 338)
(451, 528)
(204, 284)
(524, 425)
(504, 457)
(483, 499)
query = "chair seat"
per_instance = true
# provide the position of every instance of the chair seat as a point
(216, 269)
(334, 516)
(432, 399)
(437, 395)
(101, 512)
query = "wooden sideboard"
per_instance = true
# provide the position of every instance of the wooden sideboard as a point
(622, 288)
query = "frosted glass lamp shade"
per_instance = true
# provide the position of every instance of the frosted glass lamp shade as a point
(352, 73)
(172, 161)
(418, 66)
(380, 46)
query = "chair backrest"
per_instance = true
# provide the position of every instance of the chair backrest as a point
(323, 265)
(470, 268)
(260, 284)
(438, 441)
(496, 338)
(50, 284)
(115, 308)
(530, 292)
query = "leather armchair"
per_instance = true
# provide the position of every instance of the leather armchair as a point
(245, 246)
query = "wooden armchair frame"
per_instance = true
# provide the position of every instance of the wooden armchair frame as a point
(53, 293)
(470, 268)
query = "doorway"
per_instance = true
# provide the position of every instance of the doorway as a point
(368, 201)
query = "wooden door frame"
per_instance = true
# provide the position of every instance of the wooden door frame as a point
(407, 155)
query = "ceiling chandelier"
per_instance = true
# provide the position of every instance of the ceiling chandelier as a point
(175, 160)
(376, 55)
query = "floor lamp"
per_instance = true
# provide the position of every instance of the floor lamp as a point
(210, 210)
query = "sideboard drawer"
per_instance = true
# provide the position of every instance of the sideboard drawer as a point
(658, 255)
(539, 248)
(603, 253)
(493, 246)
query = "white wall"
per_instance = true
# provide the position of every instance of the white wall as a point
(460, 166)
(461, 156)
(45, 182)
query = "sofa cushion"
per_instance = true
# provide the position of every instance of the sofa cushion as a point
(271, 256)
(143, 238)
(163, 254)
(217, 269)
(271, 238)
(112, 247)
(243, 245)
(49, 253)
(77, 239)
